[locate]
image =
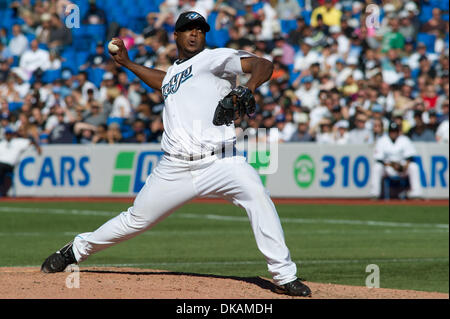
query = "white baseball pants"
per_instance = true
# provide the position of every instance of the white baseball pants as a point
(175, 182)
(379, 170)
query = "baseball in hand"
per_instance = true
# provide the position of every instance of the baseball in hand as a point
(112, 47)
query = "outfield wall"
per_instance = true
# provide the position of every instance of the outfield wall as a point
(288, 170)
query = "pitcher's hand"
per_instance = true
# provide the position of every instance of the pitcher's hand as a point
(120, 57)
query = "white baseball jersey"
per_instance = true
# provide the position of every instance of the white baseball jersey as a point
(191, 91)
(10, 151)
(388, 151)
(189, 106)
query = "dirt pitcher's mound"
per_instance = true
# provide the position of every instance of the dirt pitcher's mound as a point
(132, 283)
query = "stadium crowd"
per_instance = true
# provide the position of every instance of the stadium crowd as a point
(342, 69)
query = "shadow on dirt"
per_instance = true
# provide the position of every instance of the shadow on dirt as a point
(258, 281)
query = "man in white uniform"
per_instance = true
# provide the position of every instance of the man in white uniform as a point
(393, 156)
(199, 157)
(11, 148)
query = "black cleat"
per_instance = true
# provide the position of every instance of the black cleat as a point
(294, 288)
(58, 261)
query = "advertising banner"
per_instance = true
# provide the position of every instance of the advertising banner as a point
(298, 170)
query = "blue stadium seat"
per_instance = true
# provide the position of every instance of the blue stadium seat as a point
(51, 76)
(30, 36)
(95, 75)
(425, 13)
(117, 120)
(13, 106)
(441, 4)
(307, 16)
(428, 39)
(81, 58)
(69, 59)
(96, 31)
(288, 25)
(445, 17)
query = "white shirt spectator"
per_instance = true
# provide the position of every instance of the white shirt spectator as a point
(302, 62)
(121, 107)
(288, 9)
(309, 98)
(32, 60)
(317, 114)
(10, 151)
(442, 132)
(287, 131)
(86, 87)
(325, 138)
(360, 136)
(18, 45)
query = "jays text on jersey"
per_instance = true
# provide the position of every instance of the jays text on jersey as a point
(191, 90)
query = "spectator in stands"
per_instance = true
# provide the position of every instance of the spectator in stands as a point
(144, 57)
(5, 54)
(63, 131)
(121, 107)
(138, 134)
(360, 134)
(156, 130)
(113, 134)
(19, 42)
(433, 122)
(393, 39)
(86, 85)
(54, 61)
(94, 115)
(306, 56)
(94, 15)
(4, 71)
(307, 93)
(324, 131)
(435, 25)
(420, 132)
(340, 132)
(288, 9)
(150, 29)
(407, 28)
(302, 134)
(11, 148)
(44, 29)
(442, 132)
(34, 60)
(298, 34)
(60, 36)
(377, 129)
(100, 136)
(330, 14)
(98, 59)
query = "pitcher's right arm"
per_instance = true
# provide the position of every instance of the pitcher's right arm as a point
(153, 78)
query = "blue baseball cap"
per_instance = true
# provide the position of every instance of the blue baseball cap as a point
(307, 79)
(9, 130)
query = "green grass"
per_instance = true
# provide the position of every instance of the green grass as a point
(329, 243)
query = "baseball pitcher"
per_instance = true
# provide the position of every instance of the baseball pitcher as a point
(201, 103)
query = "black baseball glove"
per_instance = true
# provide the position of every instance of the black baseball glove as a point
(236, 104)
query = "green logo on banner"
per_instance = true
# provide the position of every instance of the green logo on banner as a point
(121, 182)
(304, 171)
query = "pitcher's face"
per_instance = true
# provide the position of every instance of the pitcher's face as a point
(190, 41)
